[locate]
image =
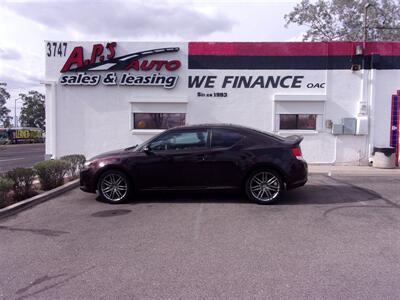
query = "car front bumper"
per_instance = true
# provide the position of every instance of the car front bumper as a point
(87, 181)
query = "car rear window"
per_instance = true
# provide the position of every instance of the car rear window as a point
(222, 138)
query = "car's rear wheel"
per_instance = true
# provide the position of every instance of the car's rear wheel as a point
(114, 187)
(264, 186)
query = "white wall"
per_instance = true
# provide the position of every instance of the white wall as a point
(94, 119)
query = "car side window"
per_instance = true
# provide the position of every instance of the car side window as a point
(183, 140)
(223, 138)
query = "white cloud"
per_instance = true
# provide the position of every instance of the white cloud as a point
(30, 23)
(122, 19)
(297, 38)
(9, 54)
(20, 80)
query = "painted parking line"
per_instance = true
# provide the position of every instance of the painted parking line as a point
(11, 159)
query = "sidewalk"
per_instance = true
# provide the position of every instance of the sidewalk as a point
(352, 170)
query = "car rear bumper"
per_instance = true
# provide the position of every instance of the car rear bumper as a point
(296, 184)
(299, 176)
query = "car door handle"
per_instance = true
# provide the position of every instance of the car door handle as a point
(167, 158)
(201, 158)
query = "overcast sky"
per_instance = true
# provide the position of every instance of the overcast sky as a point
(26, 24)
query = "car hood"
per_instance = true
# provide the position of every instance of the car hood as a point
(114, 153)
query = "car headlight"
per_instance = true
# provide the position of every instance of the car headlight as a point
(87, 164)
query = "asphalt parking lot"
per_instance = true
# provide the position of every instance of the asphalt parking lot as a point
(20, 155)
(336, 238)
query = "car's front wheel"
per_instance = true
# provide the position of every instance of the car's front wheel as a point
(264, 186)
(114, 187)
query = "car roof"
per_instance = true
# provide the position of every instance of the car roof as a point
(240, 128)
(212, 125)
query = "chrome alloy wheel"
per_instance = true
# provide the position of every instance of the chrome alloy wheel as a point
(264, 186)
(114, 187)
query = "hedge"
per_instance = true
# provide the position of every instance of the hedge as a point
(23, 179)
(6, 184)
(75, 164)
(51, 173)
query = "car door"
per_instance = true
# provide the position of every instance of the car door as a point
(175, 161)
(226, 158)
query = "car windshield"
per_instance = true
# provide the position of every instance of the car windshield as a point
(141, 145)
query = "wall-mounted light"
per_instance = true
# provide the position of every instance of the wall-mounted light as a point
(328, 124)
(359, 50)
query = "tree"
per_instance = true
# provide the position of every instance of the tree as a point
(343, 20)
(7, 122)
(4, 111)
(33, 110)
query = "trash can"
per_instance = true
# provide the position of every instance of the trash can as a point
(384, 158)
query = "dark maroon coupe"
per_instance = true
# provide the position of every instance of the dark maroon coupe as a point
(200, 157)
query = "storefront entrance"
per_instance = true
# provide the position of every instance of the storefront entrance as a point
(395, 126)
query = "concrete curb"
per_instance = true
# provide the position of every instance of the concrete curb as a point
(359, 174)
(28, 203)
(352, 170)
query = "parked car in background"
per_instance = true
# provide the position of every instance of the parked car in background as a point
(22, 135)
(200, 157)
(4, 136)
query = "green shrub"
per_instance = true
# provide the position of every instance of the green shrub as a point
(23, 179)
(51, 173)
(75, 164)
(6, 184)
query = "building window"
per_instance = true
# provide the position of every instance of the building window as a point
(158, 120)
(298, 121)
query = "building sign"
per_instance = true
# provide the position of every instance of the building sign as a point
(229, 83)
(250, 82)
(121, 70)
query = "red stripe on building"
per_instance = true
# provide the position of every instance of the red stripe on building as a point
(383, 48)
(292, 48)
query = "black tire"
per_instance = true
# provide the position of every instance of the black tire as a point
(114, 187)
(264, 186)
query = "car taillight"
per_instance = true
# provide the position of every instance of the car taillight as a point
(296, 152)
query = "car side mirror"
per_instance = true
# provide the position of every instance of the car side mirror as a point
(147, 149)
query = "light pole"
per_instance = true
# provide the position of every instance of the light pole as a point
(366, 6)
(15, 111)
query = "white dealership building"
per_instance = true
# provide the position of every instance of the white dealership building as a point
(341, 96)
